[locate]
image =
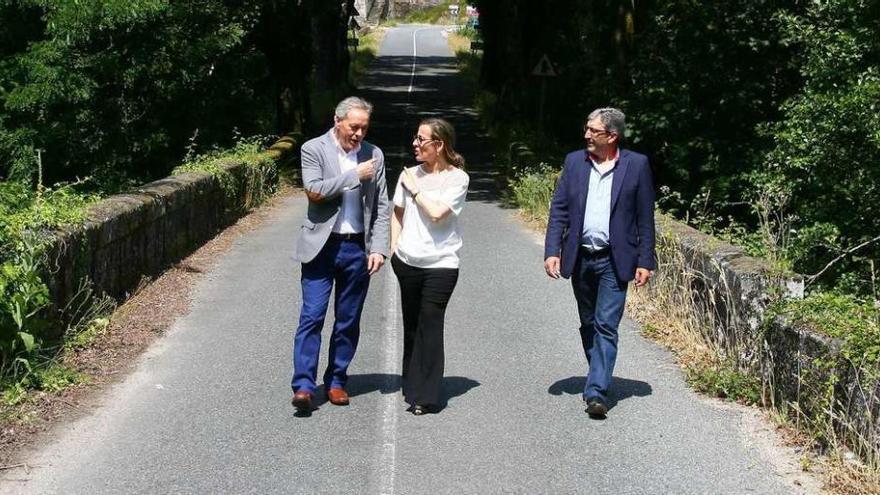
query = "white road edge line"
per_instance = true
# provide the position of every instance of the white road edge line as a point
(388, 457)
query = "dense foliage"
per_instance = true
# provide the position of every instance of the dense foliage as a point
(27, 221)
(825, 163)
(120, 90)
(760, 117)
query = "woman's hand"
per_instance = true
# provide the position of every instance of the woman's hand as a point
(409, 181)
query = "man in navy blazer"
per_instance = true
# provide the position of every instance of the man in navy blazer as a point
(601, 235)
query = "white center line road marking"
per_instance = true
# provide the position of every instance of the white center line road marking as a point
(387, 458)
(412, 76)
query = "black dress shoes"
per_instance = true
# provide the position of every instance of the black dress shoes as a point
(422, 409)
(596, 408)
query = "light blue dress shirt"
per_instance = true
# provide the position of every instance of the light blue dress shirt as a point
(597, 215)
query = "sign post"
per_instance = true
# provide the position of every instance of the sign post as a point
(453, 11)
(544, 69)
(353, 26)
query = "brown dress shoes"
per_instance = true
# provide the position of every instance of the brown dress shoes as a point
(337, 397)
(302, 401)
(596, 408)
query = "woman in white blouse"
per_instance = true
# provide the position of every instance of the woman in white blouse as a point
(425, 240)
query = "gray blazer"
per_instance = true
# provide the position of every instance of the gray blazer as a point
(324, 183)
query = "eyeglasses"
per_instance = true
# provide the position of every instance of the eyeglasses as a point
(594, 131)
(422, 140)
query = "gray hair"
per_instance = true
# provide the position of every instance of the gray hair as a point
(612, 118)
(352, 103)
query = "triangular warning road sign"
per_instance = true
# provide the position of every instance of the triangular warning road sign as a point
(544, 68)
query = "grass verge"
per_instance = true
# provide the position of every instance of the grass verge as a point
(366, 53)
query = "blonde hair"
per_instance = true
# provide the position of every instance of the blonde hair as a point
(442, 130)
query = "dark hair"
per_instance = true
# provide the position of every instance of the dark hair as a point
(441, 130)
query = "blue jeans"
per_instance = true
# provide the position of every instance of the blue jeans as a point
(600, 298)
(343, 262)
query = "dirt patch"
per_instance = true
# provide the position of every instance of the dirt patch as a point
(135, 324)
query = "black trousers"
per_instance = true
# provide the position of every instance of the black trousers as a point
(424, 294)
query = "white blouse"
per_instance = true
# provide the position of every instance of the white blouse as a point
(423, 243)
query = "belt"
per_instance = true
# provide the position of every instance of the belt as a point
(356, 236)
(589, 253)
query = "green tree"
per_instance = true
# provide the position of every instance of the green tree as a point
(826, 159)
(114, 89)
(120, 90)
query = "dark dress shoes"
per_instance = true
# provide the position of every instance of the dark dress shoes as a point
(596, 408)
(422, 409)
(302, 401)
(337, 397)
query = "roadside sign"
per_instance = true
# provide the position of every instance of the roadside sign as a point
(453, 10)
(544, 68)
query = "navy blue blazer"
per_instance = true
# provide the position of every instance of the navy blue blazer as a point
(631, 227)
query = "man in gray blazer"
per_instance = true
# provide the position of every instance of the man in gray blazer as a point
(344, 239)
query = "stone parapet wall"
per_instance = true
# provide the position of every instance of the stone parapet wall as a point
(810, 377)
(732, 292)
(128, 237)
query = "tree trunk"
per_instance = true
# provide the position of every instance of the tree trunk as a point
(283, 35)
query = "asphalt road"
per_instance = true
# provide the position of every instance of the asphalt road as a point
(208, 411)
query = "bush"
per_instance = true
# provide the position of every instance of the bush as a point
(261, 170)
(28, 220)
(725, 382)
(533, 189)
(855, 322)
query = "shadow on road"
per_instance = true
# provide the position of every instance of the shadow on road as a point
(437, 91)
(454, 386)
(621, 388)
(384, 383)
